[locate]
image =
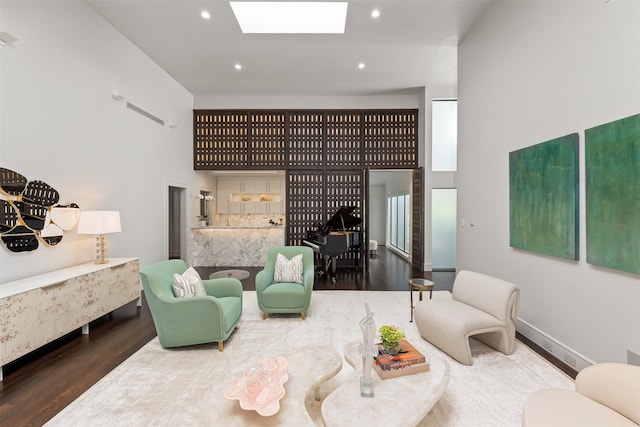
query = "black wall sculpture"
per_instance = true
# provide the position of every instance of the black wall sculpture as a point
(29, 213)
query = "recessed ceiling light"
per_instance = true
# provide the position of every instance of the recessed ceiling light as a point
(205, 14)
(375, 13)
(361, 65)
(290, 17)
(238, 66)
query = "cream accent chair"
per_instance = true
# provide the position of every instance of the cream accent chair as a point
(606, 395)
(481, 305)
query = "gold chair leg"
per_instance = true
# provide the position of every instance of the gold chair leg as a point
(302, 315)
(220, 346)
(264, 316)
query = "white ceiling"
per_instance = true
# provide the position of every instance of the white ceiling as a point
(411, 45)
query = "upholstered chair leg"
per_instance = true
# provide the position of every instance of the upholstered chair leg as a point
(220, 346)
(265, 315)
(302, 315)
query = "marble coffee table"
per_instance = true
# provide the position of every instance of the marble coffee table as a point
(401, 401)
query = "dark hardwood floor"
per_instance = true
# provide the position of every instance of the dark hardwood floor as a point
(40, 384)
(387, 272)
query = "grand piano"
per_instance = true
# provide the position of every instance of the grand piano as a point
(335, 237)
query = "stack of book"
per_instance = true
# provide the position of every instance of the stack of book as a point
(408, 361)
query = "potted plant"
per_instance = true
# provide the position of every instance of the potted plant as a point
(391, 336)
(202, 220)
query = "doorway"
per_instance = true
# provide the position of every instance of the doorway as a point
(176, 222)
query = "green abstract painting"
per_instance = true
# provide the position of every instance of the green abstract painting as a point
(612, 159)
(543, 197)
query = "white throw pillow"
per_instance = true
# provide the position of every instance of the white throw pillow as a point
(288, 270)
(188, 284)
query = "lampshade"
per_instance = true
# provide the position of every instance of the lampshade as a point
(99, 222)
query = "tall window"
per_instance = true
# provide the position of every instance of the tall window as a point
(399, 214)
(444, 136)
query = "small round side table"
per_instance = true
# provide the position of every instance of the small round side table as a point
(236, 274)
(419, 284)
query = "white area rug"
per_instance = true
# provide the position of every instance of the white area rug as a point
(163, 387)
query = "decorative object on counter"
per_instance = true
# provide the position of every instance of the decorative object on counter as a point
(204, 197)
(245, 198)
(99, 223)
(261, 387)
(368, 350)
(202, 220)
(391, 336)
(274, 223)
(266, 197)
(26, 213)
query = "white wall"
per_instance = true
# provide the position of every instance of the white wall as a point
(530, 72)
(306, 102)
(60, 125)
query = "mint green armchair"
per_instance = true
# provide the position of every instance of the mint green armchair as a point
(285, 297)
(194, 320)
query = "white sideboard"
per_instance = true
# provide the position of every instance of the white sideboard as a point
(36, 310)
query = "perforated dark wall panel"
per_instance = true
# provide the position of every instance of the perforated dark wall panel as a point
(331, 139)
(306, 140)
(343, 140)
(306, 205)
(390, 139)
(267, 140)
(220, 140)
(345, 188)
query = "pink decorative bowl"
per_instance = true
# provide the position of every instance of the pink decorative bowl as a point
(261, 387)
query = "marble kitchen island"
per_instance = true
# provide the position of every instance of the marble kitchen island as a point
(243, 246)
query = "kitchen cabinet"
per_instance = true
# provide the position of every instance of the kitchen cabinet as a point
(237, 195)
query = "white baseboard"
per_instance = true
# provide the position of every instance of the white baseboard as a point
(568, 356)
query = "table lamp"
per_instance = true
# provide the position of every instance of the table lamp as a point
(99, 223)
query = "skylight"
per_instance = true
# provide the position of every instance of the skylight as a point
(290, 17)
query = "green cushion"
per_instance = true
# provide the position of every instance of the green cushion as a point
(288, 295)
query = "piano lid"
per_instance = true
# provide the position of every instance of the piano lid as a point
(343, 219)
